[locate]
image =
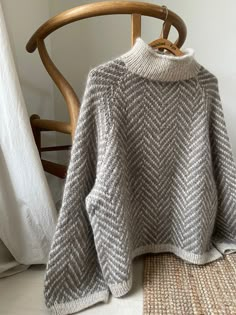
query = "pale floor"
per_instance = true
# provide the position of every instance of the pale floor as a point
(22, 294)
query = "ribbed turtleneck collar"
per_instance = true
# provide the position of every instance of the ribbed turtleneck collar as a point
(143, 60)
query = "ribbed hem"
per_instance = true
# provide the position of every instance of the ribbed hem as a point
(123, 288)
(80, 304)
(225, 247)
(120, 289)
(206, 257)
(143, 60)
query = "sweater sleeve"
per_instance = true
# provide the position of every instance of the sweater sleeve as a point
(74, 279)
(225, 174)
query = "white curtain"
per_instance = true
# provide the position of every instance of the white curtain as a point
(27, 211)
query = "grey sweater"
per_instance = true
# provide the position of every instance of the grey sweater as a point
(151, 170)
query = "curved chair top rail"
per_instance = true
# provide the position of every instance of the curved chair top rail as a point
(136, 9)
(107, 8)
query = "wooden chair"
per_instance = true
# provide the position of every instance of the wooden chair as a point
(136, 10)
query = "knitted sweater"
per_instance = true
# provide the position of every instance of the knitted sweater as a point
(151, 170)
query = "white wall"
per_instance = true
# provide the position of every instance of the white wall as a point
(78, 47)
(211, 32)
(211, 29)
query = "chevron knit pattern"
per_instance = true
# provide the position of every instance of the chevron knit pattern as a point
(151, 170)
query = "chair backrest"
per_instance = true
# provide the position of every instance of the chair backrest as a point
(136, 9)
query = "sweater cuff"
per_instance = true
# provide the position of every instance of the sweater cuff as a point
(80, 304)
(225, 246)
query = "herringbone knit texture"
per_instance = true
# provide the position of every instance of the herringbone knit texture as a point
(151, 170)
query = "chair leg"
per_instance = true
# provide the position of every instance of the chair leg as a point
(36, 133)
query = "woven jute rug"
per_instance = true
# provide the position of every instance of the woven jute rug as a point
(174, 287)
